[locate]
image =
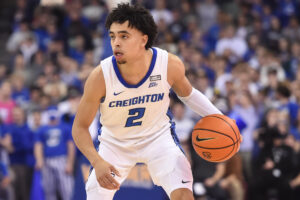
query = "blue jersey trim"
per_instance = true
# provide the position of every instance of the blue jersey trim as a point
(173, 132)
(143, 80)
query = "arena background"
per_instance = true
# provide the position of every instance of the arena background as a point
(244, 55)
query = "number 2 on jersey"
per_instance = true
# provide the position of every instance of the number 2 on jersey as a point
(137, 113)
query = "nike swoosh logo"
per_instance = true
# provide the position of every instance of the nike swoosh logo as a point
(185, 181)
(203, 139)
(117, 93)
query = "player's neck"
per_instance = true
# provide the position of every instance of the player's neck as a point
(138, 67)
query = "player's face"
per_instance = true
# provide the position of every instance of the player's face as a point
(127, 43)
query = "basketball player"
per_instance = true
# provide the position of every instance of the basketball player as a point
(132, 89)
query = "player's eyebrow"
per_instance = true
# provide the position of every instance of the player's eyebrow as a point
(126, 32)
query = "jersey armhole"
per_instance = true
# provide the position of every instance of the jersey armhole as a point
(165, 61)
(105, 72)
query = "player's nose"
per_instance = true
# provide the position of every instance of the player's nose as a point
(117, 42)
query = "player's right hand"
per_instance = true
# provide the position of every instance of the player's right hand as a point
(104, 176)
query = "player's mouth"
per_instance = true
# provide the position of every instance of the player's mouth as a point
(118, 54)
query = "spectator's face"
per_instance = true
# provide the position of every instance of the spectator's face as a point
(74, 15)
(39, 57)
(21, 3)
(6, 89)
(242, 21)
(230, 32)
(297, 94)
(89, 57)
(35, 95)
(79, 42)
(51, 28)
(232, 99)
(37, 118)
(160, 4)
(290, 141)
(272, 118)
(19, 61)
(267, 10)
(197, 58)
(18, 115)
(283, 123)
(185, 7)
(283, 44)
(49, 69)
(44, 102)
(2, 71)
(298, 73)
(127, 43)
(253, 41)
(295, 49)
(273, 80)
(219, 65)
(244, 99)
(202, 83)
(275, 24)
(18, 83)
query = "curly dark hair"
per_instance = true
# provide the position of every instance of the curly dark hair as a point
(137, 16)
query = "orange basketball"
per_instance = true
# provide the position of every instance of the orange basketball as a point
(216, 138)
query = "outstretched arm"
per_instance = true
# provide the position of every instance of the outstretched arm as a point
(94, 90)
(193, 98)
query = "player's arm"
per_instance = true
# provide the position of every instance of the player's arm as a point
(94, 90)
(193, 98)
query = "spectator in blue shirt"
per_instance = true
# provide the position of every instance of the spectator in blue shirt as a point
(55, 152)
(20, 154)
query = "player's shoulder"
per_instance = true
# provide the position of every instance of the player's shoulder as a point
(96, 74)
(175, 64)
(174, 60)
(95, 82)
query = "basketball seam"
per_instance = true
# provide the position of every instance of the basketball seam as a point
(226, 123)
(215, 147)
(219, 148)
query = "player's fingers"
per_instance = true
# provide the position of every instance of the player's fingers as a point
(113, 181)
(101, 182)
(104, 182)
(113, 169)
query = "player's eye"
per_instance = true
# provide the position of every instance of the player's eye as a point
(112, 37)
(124, 36)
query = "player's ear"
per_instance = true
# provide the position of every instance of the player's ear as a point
(144, 40)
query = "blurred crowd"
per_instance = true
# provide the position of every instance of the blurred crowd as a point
(244, 55)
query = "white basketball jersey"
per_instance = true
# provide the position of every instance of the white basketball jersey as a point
(132, 114)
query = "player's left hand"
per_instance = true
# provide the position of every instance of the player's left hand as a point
(105, 173)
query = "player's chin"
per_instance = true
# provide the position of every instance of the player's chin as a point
(120, 62)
